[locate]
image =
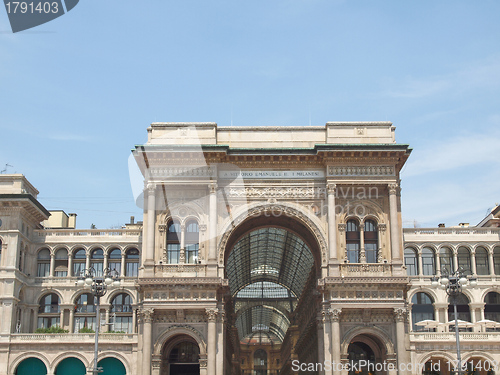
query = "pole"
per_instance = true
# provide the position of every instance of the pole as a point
(98, 323)
(457, 335)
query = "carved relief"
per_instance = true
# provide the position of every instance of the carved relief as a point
(183, 172)
(275, 192)
(393, 189)
(370, 170)
(212, 313)
(146, 314)
(400, 314)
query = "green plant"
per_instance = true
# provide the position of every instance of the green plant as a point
(116, 332)
(86, 330)
(52, 329)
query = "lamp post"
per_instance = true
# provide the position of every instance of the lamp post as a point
(453, 283)
(98, 283)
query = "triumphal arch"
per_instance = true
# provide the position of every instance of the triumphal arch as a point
(268, 250)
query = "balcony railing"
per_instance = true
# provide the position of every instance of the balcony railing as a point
(450, 336)
(451, 231)
(56, 234)
(366, 269)
(73, 337)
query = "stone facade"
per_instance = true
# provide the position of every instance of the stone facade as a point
(328, 195)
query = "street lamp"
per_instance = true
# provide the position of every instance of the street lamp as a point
(454, 283)
(98, 283)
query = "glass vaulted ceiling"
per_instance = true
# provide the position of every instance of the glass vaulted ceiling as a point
(267, 271)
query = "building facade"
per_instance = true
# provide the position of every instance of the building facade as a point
(262, 250)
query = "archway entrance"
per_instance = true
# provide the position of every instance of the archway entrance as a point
(181, 356)
(366, 355)
(271, 263)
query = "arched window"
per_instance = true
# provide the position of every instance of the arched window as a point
(132, 263)
(97, 261)
(121, 311)
(173, 242)
(411, 262)
(48, 311)
(43, 263)
(115, 260)
(260, 361)
(428, 261)
(496, 260)
(422, 309)
(61, 263)
(79, 258)
(446, 260)
(462, 308)
(184, 352)
(464, 259)
(192, 242)
(352, 241)
(85, 312)
(482, 261)
(371, 241)
(492, 306)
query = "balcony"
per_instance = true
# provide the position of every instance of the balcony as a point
(87, 235)
(73, 337)
(450, 336)
(366, 269)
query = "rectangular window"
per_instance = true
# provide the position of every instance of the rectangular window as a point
(115, 266)
(132, 269)
(44, 322)
(61, 273)
(192, 253)
(353, 252)
(43, 269)
(84, 322)
(122, 323)
(173, 250)
(78, 268)
(371, 252)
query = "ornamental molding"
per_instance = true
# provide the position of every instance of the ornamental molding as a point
(393, 189)
(275, 192)
(361, 171)
(400, 314)
(335, 314)
(184, 172)
(167, 333)
(274, 209)
(146, 314)
(331, 188)
(212, 187)
(212, 313)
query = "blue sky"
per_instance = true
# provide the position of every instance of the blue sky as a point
(76, 94)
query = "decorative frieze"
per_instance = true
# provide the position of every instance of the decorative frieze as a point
(276, 192)
(360, 171)
(188, 171)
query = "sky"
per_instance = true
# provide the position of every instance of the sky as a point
(77, 93)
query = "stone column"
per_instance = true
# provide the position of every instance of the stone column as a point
(327, 329)
(105, 262)
(212, 248)
(420, 263)
(220, 342)
(107, 326)
(147, 317)
(393, 217)
(71, 320)
(336, 335)
(438, 264)
(122, 271)
(473, 262)
(150, 241)
(332, 226)
(212, 340)
(362, 255)
(321, 339)
(455, 262)
(52, 264)
(403, 357)
(491, 262)
(87, 260)
(182, 253)
(70, 264)
(61, 318)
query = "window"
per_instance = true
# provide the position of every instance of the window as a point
(496, 260)
(121, 312)
(85, 312)
(422, 309)
(428, 264)
(482, 261)
(464, 260)
(463, 311)
(371, 241)
(192, 242)
(79, 259)
(352, 241)
(492, 306)
(61, 263)
(48, 311)
(446, 260)
(173, 244)
(115, 260)
(184, 352)
(411, 261)
(132, 263)
(97, 261)
(43, 263)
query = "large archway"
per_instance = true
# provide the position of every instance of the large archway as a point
(367, 353)
(180, 356)
(272, 263)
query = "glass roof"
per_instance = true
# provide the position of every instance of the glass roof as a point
(267, 271)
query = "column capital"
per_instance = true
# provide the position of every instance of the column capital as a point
(151, 188)
(146, 313)
(382, 227)
(212, 187)
(212, 313)
(400, 314)
(341, 227)
(331, 187)
(393, 188)
(335, 314)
